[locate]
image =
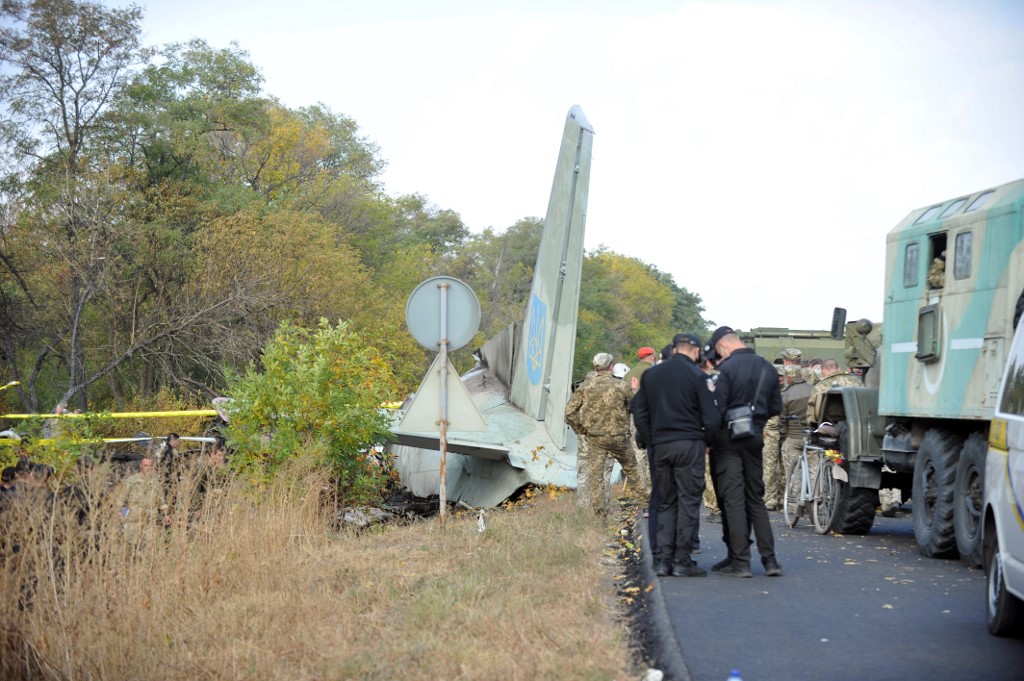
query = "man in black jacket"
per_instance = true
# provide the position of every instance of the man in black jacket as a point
(674, 412)
(744, 379)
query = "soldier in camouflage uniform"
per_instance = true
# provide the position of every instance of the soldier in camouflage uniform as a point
(832, 377)
(771, 459)
(598, 414)
(593, 479)
(814, 375)
(647, 358)
(793, 419)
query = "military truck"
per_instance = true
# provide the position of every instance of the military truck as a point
(954, 288)
(769, 342)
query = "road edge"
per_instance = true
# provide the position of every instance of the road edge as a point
(668, 652)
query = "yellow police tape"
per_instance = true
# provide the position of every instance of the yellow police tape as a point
(115, 414)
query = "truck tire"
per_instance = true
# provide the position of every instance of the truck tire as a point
(967, 502)
(1004, 612)
(854, 509)
(934, 482)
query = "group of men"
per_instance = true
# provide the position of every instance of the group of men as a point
(701, 403)
(803, 389)
(142, 498)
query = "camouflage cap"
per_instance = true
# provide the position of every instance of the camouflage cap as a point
(603, 360)
(780, 369)
(793, 370)
(792, 354)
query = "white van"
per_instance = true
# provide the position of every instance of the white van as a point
(1003, 529)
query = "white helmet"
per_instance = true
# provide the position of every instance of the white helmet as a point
(620, 370)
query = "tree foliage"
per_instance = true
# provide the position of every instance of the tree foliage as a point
(317, 391)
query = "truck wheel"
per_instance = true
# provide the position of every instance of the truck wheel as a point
(1004, 612)
(970, 478)
(855, 509)
(934, 478)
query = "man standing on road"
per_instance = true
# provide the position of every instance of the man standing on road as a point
(793, 419)
(675, 413)
(597, 412)
(745, 380)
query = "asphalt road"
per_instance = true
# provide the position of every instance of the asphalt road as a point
(847, 607)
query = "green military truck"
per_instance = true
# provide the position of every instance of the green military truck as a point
(954, 288)
(769, 342)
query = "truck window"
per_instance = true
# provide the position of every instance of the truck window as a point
(952, 208)
(937, 264)
(930, 214)
(910, 259)
(980, 201)
(962, 257)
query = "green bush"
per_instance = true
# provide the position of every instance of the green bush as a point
(317, 393)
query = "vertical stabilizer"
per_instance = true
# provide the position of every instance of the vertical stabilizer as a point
(542, 375)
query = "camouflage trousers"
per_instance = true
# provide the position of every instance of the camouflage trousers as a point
(791, 451)
(710, 502)
(774, 471)
(889, 496)
(643, 480)
(593, 478)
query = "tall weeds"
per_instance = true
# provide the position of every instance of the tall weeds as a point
(241, 585)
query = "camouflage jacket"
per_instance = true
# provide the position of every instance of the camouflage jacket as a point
(816, 402)
(599, 407)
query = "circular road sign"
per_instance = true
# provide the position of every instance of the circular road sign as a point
(423, 313)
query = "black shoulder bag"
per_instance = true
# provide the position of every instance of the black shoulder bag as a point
(741, 418)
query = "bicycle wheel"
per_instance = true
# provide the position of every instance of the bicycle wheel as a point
(791, 503)
(825, 497)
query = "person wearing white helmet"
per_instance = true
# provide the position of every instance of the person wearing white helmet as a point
(597, 413)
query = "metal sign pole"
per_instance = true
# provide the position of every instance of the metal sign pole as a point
(443, 492)
(431, 302)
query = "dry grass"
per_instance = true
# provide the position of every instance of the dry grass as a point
(266, 588)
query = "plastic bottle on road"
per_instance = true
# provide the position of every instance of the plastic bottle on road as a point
(734, 675)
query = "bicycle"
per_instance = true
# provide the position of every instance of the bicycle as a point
(822, 493)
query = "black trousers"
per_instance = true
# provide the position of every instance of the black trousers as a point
(679, 469)
(740, 478)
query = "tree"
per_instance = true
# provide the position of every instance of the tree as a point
(69, 58)
(499, 268)
(626, 304)
(315, 392)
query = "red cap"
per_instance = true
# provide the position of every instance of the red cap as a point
(644, 352)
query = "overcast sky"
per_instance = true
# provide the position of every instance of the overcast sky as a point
(758, 151)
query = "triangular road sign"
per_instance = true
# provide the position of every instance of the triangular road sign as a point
(424, 413)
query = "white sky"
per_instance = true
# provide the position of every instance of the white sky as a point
(758, 151)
